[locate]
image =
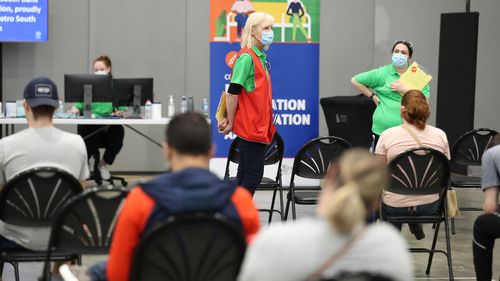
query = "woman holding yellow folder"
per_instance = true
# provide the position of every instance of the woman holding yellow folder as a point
(383, 87)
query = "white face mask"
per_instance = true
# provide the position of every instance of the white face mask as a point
(100, 72)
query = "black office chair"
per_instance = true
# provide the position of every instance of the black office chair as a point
(273, 157)
(85, 225)
(33, 199)
(96, 175)
(467, 152)
(312, 162)
(197, 247)
(423, 171)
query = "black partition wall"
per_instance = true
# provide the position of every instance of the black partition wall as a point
(457, 73)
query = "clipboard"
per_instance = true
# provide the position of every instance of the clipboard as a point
(221, 112)
(415, 77)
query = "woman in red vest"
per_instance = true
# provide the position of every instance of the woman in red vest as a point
(249, 100)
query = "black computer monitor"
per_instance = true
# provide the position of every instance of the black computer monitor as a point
(125, 90)
(88, 88)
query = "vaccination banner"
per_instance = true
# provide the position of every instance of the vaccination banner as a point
(293, 60)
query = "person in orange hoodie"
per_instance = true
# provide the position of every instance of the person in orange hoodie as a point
(189, 187)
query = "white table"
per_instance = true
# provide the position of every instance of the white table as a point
(94, 121)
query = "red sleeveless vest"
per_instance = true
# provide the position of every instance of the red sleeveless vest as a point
(253, 120)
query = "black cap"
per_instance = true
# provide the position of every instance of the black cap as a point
(41, 91)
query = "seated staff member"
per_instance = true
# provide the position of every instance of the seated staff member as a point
(387, 89)
(111, 137)
(413, 133)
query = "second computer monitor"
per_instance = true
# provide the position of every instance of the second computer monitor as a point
(75, 85)
(132, 91)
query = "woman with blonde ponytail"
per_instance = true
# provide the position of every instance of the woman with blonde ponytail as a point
(295, 250)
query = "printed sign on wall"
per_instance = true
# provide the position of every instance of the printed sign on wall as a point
(293, 60)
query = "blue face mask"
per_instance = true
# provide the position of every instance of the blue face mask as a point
(399, 60)
(267, 38)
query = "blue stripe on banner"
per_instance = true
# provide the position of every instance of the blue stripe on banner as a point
(295, 76)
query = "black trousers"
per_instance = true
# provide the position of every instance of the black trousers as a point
(110, 138)
(251, 167)
(486, 230)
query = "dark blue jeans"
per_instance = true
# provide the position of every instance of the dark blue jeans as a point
(9, 245)
(426, 209)
(97, 272)
(251, 167)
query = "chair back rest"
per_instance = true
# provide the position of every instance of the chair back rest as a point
(197, 247)
(419, 171)
(34, 197)
(86, 223)
(469, 148)
(314, 158)
(274, 153)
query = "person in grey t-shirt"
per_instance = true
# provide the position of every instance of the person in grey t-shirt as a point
(40, 145)
(487, 225)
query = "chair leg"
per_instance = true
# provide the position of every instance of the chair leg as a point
(16, 270)
(287, 205)
(282, 214)
(294, 212)
(271, 210)
(448, 247)
(433, 248)
(453, 226)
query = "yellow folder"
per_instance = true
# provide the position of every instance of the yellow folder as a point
(221, 108)
(415, 77)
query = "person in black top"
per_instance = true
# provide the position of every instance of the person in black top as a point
(296, 11)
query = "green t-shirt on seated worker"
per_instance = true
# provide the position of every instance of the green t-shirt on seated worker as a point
(100, 108)
(387, 114)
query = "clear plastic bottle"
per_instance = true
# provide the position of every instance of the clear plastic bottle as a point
(60, 110)
(204, 107)
(148, 110)
(171, 107)
(184, 105)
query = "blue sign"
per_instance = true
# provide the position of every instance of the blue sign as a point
(23, 20)
(294, 71)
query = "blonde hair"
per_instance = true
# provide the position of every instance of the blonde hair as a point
(253, 21)
(359, 182)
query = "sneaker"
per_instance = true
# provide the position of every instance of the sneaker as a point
(105, 174)
(74, 273)
(417, 230)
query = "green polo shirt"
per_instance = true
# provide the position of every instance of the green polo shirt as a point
(387, 114)
(100, 108)
(243, 70)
